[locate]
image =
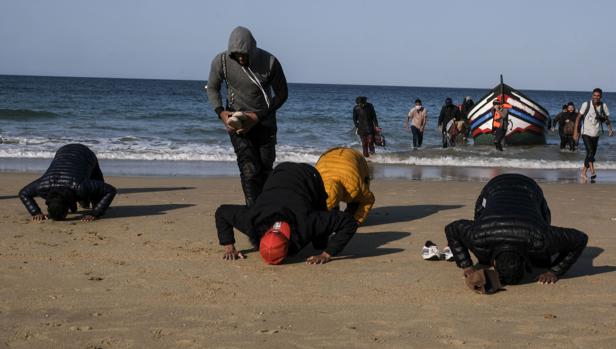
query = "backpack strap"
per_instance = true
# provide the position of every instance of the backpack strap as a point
(223, 60)
(589, 103)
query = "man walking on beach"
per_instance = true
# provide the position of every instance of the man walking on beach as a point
(73, 176)
(566, 126)
(512, 232)
(364, 118)
(417, 118)
(250, 75)
(290, 213)
(500, 121)
(591, 117)
(446, 122)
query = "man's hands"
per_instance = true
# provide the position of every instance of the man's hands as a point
(547, 278)
(87, 218)
(232, 254)
(323, 258)
(224, 116)
(610, 132)
(246, 125)
(39, 217)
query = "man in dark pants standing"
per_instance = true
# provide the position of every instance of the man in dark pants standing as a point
(73, 176)
(364, 118)
(446, 122)
(500, 122)
(250, 75)
(512, 232)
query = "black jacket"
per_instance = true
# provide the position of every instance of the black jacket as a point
(448, 112)
(364, 119)
(562, 118)
(75, 167)
(293, 192)
(511, 213)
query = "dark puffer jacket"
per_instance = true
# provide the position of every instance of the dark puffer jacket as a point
(364, 118)
(293, 192)
(512, 214)
(75, 167)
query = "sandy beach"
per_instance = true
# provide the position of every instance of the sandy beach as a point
(150, 275)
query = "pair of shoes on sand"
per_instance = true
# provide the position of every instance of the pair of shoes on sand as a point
(430, 252)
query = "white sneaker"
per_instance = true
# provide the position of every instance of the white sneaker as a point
(447, 254)
(430, 251)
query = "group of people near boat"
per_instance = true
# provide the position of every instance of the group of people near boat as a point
(453, 123)
(586, 122)
(292, 205)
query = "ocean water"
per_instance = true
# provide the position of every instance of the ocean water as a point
(142, 121)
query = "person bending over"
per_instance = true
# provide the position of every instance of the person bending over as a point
(73, 176)
(346, 178)
(289, 214)
(512, 232)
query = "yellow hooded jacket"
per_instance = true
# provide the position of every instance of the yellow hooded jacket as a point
(346, 178)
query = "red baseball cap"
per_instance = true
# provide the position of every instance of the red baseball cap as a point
(275, 243)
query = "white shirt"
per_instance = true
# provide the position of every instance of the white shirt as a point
(591, 126)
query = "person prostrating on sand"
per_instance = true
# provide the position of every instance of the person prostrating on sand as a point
(250, 75)
(346, 177)
(512, 233)
(73, 176)
(290, 213)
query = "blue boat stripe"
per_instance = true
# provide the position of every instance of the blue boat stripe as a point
(512, 111)
(527, 118)
(481, 120)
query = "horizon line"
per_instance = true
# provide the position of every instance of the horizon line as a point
(303, 83)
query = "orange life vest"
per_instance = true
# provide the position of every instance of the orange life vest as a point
(497, 120)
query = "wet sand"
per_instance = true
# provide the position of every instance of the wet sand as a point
(150, 275)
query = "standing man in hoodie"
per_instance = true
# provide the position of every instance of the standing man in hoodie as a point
(255, 85)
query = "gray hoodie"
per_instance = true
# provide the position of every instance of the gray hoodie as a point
(250, 87)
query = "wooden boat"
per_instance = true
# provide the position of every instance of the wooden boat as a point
(527, 119)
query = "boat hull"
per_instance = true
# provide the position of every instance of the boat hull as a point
(527, 119)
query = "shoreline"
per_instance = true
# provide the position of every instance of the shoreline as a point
(213, 169)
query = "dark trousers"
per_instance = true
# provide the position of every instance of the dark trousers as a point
(417, 137)
(256, 153)
(567, 140)
(96, 175)
(499, 136)
(367, 144)
(590, 143)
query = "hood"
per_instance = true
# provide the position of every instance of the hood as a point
(241, 40)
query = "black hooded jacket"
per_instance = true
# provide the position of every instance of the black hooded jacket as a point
(260, 87)
(295, 193)
(364, 118)
(512, 214)
(448, 112)
(72, 167)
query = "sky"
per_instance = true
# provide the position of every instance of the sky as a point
(548, 44)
